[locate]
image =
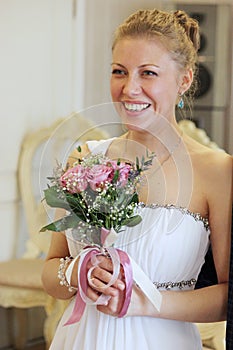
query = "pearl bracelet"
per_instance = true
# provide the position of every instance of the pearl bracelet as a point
(64, 262)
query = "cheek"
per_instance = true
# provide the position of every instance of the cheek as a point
(114, 89)
(163, 92)
(154, 92)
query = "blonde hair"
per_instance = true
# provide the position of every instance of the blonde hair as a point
(176, 30)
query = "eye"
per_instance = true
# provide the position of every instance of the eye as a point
(118, 71)
(149, 73)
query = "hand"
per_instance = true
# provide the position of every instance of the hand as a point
(101, 276)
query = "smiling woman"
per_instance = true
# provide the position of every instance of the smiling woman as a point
(166, 61)
(149, 80)
(184, 202)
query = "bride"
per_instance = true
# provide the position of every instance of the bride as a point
(185, 202)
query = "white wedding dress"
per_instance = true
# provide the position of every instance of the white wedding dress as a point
(170, 246)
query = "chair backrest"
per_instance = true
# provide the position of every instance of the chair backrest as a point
(39, 152)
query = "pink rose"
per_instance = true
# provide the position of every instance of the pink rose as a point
(75, 179)
(124, 170)
(99, 174)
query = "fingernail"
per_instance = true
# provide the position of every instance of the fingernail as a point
(121, 286)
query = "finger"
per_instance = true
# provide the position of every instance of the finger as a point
(92, 294)
(105, 277)
(105, 263)
(110, 308)
(99, 286)
(102, 274)
(114, 305)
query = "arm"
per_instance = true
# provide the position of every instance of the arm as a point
(51, 283)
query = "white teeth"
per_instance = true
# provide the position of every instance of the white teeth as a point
(135, 106)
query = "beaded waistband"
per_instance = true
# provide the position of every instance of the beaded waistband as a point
(180, 285)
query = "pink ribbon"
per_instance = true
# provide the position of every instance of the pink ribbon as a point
(126, 264)
(118, 258)
(80, 304)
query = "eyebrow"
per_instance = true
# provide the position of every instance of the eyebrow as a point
(118, 64)
(142, 66)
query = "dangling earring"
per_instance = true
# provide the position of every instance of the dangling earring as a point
(181, 102)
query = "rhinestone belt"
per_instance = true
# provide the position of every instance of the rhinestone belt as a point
(180, 285)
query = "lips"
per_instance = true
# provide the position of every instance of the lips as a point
(136, 107)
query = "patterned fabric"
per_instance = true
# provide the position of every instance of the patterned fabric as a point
(229, 331)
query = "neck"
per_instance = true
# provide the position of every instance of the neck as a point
(161, 142)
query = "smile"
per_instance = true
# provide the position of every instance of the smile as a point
(136, 107)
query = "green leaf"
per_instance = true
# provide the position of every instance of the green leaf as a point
(54, 198)
(143, 160)
(133, 221)
(116, 176)
(137, 163)
(79, 149)
(77, 205)
(133, 199)
(69, 221)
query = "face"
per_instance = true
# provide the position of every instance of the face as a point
(145, 79)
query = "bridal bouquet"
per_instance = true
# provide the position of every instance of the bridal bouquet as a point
(100, 198)
(98, 193)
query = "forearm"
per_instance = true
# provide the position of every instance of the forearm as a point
(202, 305)
(51, 282)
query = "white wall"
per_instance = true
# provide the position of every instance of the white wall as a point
(35, 87)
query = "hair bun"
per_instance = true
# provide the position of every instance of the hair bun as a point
(191, 27)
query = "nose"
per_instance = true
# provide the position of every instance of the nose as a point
(131, 86)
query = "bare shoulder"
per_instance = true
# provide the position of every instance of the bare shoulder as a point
(212, 169)
(205, 159)
(216, 163)
(220, 170)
